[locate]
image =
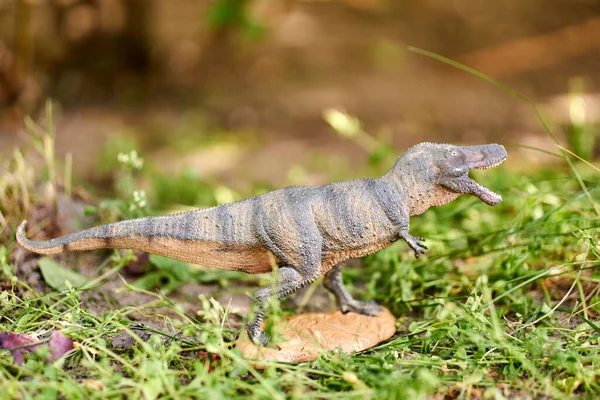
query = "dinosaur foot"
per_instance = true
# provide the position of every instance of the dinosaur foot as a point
(256, 334)
(260, 339)
(368, 307)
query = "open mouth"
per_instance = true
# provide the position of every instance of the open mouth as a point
(475, 157)
(485, 194)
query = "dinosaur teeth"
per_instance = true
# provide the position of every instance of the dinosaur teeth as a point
(492, 165)
(486, 195)
(493, 196)
(496, 195)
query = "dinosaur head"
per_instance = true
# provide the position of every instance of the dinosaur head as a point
(439, 173)
(455, 163)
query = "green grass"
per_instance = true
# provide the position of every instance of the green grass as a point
(504, 305)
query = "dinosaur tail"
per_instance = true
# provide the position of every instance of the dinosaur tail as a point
(131, 234)
(89, 239)
(220, 237)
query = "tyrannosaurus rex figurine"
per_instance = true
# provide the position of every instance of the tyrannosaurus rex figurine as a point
(305, 231)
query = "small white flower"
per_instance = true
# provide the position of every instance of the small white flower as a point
(123, 158)
(131, 160)
(139, 200)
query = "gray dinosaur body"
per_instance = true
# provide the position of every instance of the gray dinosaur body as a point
(305, 231)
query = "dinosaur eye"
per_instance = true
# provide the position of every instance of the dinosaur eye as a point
(454, 153)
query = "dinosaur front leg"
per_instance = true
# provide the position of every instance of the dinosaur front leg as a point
(333, 282)
(400, 217)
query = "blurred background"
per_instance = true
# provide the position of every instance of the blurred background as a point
(235, 90)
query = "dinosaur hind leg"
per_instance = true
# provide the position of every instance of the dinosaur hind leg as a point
(298, 249)
(333, 282)
(290, 280)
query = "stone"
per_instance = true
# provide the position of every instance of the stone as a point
(304, 336)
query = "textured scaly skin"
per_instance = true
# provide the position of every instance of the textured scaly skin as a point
(304, 231)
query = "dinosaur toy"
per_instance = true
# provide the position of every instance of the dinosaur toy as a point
(306, 231)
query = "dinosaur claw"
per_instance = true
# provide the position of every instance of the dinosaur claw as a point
(368, 307)
(260, 340)
(416, 244)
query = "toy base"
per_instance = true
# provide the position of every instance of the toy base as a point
(303, 336)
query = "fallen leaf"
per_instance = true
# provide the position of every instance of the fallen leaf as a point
(306, 335)
(20, 343)
(59, 345)
(17, 344)
(56, 275)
